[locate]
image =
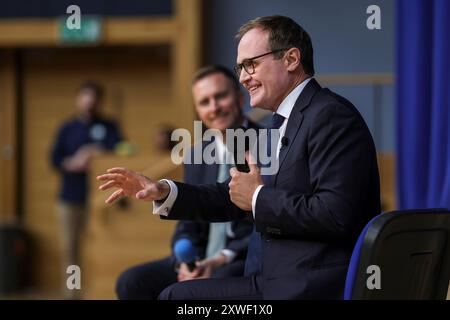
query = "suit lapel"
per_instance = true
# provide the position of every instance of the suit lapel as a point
(296, 117)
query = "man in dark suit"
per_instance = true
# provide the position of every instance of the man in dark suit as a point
(310, 212)
(218, 102)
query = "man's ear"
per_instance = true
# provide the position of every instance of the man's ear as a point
(292, 59)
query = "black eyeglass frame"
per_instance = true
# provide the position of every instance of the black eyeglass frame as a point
(238, 68)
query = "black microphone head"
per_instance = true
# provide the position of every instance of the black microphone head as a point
(284, 141)
(242, 167)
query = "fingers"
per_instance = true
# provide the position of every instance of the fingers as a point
(202, 263)
(233, 172)
(251, 162)
(129, 174)
(195, 273)
(116, 195)
(108, 185)
(123, 171)
(187, 274)
(111, 176)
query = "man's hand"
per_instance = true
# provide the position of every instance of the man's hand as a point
(184, 273)
(204, 268)
(132, 184)
(209, 265)
(243, 185)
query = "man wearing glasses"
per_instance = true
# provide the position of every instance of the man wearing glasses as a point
(308, 214)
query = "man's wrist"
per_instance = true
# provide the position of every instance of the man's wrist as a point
(164, 205)
(165, 190)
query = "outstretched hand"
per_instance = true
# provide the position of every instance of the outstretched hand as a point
(132, 184)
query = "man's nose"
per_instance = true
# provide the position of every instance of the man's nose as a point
(215, 106)
(244, 76)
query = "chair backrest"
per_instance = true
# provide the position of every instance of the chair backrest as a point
(411, 248)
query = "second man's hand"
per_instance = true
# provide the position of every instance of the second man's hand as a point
(132, 184)
(203, 269)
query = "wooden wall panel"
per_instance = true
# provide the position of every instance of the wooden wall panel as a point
(187, 56)
(31, 32)
(8, 139)
(137, 91)
(386, 165)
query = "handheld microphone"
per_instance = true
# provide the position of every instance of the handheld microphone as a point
(242, 167)
(185, 252)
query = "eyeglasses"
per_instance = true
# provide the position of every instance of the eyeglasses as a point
(248, 64)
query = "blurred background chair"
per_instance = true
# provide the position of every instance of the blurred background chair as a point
(411, 249)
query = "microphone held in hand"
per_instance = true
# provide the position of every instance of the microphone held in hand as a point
(242, 167)
(185, 252)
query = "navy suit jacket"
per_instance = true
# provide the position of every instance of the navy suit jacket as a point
(325, 191)
(198, 232)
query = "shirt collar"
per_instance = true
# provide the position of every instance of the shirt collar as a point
(288, 103)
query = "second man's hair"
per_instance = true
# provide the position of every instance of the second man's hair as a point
(212, 69)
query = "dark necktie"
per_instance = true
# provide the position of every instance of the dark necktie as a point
(254, 252)
(277, 121)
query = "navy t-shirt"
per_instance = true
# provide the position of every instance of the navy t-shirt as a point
(71, 136)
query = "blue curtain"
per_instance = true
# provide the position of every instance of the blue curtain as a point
(423, 103)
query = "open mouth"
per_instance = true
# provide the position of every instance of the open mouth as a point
(252, 89)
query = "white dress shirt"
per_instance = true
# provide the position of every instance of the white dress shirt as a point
(284, 110)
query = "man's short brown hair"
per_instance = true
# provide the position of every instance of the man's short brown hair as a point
(284, 33)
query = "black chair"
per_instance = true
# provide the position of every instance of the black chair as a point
(411, 249)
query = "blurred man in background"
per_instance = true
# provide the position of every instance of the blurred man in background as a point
(221, 247)
(77, 141)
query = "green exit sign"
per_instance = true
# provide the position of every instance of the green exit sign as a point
(88, 30)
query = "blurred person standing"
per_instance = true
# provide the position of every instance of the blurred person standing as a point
(77, 141)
